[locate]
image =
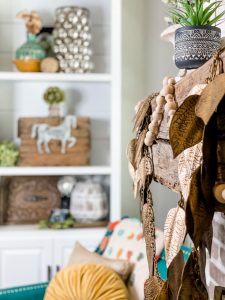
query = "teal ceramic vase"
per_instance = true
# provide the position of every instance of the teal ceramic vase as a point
(31, 49)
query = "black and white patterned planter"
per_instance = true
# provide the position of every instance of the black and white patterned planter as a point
(195, 45)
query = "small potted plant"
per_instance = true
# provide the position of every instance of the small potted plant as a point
(9, 154)
(54, 96)
(198, 38)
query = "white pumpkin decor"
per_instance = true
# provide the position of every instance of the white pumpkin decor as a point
(89, 202)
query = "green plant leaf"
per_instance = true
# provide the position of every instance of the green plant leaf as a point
(206, 18)
(194, 13)
(216, 19)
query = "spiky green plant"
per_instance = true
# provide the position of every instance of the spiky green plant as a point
(54, 95)
(197, 12)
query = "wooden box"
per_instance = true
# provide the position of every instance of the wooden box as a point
(77, 155)
(4, 185)
(31, 199)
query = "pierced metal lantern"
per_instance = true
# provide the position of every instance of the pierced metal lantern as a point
(72, 39)
(89, 202)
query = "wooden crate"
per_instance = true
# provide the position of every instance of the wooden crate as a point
(31, 199)
(78, 155)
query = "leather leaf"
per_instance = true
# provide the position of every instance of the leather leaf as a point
(174, 233)
(175, 272)
(189, 160)
(198, 217)
(210, 98)
(192, 286)
(186, 128)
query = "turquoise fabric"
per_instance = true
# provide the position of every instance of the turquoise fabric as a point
(29, 292)
(162, 269)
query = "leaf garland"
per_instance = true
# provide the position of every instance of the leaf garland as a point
(189, 160)
(186, 128)
(210, 98)
(143, 110)
(209, 163)
(175, 272)
(174, 233)
(198, 217)
(192, 286)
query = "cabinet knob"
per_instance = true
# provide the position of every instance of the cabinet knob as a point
(49, 273)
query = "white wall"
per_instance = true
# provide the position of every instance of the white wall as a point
(151, 60)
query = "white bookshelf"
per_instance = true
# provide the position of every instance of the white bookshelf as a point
(96, 95)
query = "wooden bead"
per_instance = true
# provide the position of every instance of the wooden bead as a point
(160, 100)
(168, 89)
(169, 98)
(156, 116)
(150, 135)
(172, 112)
(170, 106)
(159, 109)
(219, 193)
(165, 80)
(152, 126)
(172, 81)
(148, 142)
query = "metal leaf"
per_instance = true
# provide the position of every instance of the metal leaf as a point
(189, 160)
(192, 286)
(186, 128)
(198, 217)
(145, 169)
(174, 233)
(175, 272)
(144, 108)
(153, 287)
(210, 98)
(131, 150)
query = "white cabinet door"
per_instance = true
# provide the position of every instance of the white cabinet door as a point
(24, 261)
(63, 246)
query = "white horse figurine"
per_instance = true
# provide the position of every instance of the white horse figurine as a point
(45, 133)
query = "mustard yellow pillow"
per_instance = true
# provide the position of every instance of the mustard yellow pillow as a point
(86, 282)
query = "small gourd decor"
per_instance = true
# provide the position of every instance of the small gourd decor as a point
(54, 96)
(30, 54)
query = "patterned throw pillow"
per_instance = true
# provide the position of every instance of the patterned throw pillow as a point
(127, 242)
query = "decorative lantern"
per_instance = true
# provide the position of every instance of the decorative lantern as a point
(89, 202)
(72, 40)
